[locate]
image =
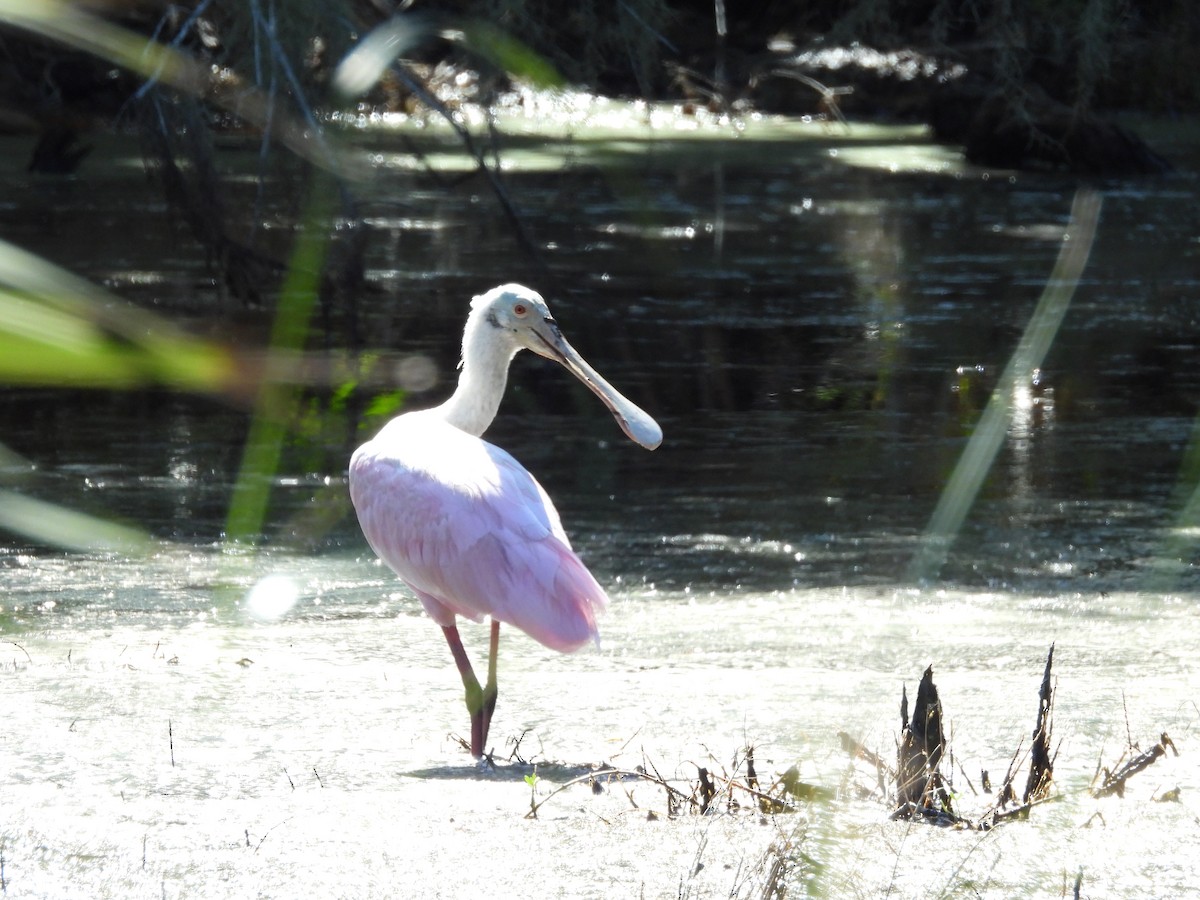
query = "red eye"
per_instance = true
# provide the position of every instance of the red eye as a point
(520, 309)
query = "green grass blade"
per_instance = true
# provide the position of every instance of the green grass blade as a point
(276, 404)
(57, 526)
(968, 476)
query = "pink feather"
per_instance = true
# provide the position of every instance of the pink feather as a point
(472, 532)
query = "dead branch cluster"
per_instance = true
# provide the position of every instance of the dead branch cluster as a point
(1107, 782)
(714, 788)
(919, 786)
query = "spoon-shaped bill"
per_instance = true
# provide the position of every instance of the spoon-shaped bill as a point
(637, 424)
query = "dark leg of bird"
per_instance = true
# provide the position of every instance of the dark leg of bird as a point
(475, 698)
(490, 690)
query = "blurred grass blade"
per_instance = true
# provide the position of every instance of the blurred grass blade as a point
(58, 329)
(276, 404)
(1176, 557)
(507, 53)
(40, 345)
(363, 66)
(13, 464)
(972, 468)
(72, 24)
(46, 523)
(366, 63)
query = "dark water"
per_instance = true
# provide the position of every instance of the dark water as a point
(817, 339)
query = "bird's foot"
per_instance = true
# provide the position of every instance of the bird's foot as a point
(486, 762)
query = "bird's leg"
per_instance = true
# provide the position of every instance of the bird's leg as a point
(490, 690)
(475, 695)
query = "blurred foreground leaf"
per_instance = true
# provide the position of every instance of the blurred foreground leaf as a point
(276, 403)
(508, 54)
(366, 64)
(74, 25)
(58, 329)
(57, 526)
(363, 66)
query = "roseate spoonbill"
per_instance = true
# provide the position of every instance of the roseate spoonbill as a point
(462, 523)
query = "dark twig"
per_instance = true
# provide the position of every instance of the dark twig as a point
(1007, 794)
(1020, 813)
(751, 775)
(490, 174)
(857, 750)
(621, 774)
(708, 790)
(768, 802)
(23, 650)
(709, 786)
(931, 814)
(266, 834)
(515, 755)
(1041, 767)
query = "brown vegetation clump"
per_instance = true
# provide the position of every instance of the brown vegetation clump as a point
(919, 782)
(920, 787)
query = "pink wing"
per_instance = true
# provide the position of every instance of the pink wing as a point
(472, 532)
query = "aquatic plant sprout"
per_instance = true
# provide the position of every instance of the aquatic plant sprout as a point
(973, 466)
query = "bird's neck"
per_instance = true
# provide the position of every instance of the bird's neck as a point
(481, 380)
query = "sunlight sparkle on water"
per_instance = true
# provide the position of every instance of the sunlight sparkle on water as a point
(272, 596)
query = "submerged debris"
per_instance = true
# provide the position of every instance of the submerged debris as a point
(710, 792)
(1041, 767)
(919, 787)
(1041, 763)
(1114, 782)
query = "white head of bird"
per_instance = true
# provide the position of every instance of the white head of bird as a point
(504, 321)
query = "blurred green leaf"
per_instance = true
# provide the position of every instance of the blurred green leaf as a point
(508, 53)
(385, 405)
(58, 329)
(366, 64)
(74, 25)
(277, 402)
(57, 526)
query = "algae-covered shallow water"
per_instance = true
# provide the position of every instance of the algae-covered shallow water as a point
(186, 753)
(817, 324)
